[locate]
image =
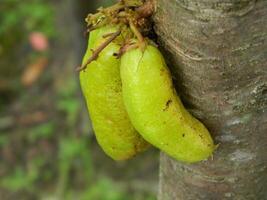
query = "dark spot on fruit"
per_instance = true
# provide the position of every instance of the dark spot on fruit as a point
(183, 135)
(167, 104)
(161, 71)
(117, 55)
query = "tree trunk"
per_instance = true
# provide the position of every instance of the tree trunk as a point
(217, 51)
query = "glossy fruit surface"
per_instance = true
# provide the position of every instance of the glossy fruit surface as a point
(156, 111)
(101, 86)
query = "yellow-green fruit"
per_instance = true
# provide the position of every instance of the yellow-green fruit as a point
(101, 86)
(156, 111)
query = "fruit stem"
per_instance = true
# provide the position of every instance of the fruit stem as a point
(140, 38)
(95, 19)
(98, 50)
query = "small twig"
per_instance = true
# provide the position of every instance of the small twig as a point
(98, 50)
(136, 32)
(140, 38)
(126, 47)
(107, 35)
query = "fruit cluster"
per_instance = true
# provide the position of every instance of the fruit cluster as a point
(129, 91)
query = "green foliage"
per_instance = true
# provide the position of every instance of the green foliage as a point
(17, 20)
(42, 131)
(3, 139)
(70, 106)
(29, 15)
(18, 180)
(104, 189)
(23, 179)
(68, 102)
(70, 148)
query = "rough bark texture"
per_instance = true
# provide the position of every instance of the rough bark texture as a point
(217, 51)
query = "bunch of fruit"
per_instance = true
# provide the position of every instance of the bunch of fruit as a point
(129, 90)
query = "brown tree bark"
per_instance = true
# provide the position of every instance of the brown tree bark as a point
(217, 51)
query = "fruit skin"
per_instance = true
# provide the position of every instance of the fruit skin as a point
(101, 86)
(156, 111)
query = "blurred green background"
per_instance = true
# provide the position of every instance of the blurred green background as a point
(47, 147)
